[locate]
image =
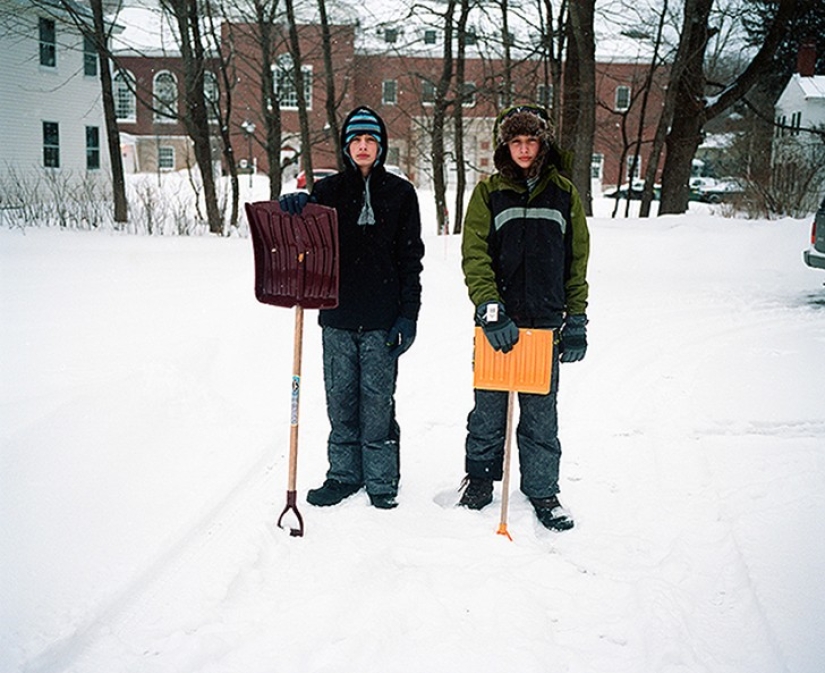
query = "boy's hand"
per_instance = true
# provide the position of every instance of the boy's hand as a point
(574, 338)
(499, 329)
(401, 336)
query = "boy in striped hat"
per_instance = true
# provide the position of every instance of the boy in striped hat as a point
(379, 231)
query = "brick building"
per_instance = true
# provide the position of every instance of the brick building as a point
(398, 82)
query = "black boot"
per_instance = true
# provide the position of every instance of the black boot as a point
(383, 501)
(478, 493)
(331, 493)
(551, 514)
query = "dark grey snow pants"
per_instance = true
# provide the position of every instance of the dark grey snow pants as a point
(359, 377)
(539, 449)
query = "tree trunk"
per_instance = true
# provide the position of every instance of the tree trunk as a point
(196, 118)
(580, 115)
(303, 118)
(329, 81)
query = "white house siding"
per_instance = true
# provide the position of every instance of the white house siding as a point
(31, 94)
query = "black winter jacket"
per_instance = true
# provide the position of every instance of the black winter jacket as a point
(380, 264)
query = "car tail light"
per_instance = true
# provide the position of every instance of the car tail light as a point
(813, 233)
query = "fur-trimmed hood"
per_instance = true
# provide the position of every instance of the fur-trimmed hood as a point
(528, 120)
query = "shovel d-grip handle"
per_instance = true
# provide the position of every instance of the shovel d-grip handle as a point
(291, 499)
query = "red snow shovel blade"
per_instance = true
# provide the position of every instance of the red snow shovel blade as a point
(296, 256)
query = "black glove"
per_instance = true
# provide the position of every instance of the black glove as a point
(293, 203)
(401, 336)
(574, 338)
(500, 331)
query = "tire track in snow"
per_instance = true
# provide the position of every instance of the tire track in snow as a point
(219, 532)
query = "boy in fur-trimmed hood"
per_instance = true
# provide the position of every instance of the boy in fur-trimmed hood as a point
(525, 248)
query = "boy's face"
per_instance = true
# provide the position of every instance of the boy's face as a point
(524, 150)
(364, 151)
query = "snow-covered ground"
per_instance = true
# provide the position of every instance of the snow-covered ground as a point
(144, 432)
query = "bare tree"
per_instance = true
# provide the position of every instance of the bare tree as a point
(99, 33)
(693, 108)
(196, 118)
(579, 113)
(297, 70)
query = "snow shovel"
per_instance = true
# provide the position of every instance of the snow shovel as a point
(296, 264)
(525, 369)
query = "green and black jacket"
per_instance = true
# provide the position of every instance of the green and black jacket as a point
(527, 249)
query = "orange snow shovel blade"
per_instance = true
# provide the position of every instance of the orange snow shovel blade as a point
(528, 368)
(525, 369)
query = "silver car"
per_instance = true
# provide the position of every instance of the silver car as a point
(814, 256)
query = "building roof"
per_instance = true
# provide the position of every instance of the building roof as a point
(812, 87)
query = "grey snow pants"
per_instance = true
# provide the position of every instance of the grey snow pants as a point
(359, 378)
(539, 449)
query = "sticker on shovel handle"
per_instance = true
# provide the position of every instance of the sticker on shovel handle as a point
(296, 394)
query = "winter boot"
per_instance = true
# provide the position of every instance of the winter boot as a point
(551, 514)
(383, 501)
(478, 493)
(331, 493)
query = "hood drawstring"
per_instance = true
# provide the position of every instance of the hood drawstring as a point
(366, 216)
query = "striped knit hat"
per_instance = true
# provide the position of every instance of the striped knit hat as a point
(363, 121)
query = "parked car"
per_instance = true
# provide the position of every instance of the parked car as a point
(718, 191)
(635, 190)
(396, 170)
(814, 256)
(317, 174)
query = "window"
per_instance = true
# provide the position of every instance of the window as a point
(389, 92)
(48, 43)
(468, 94)
(427, 92)
(622, 98)
(124, 84)
(165, 92)
(166, 158)
(544, 95)
(470, 38)
(51, 145)
(284, 72)
(391, 35)
(597, 166)
(92, 148)
(89, 57)
(634, 172)
(505, 98)
(430, 36)
(212, 94)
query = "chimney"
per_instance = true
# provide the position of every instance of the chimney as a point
(806, 59)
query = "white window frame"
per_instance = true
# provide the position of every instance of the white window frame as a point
(623, 98)
(90, 60)
(123, 83)
(284, 83)
(166, 110)
(47, 40)
(51, 149)
(389, 92)
(93, 148)
(544, 96)
(597, 166)
(212, 95)
(428, 92)
(468, 94)
(166, 158)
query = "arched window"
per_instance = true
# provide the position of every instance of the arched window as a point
(165, 92)
(212, 94)
(284, 75)
(124, 92)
